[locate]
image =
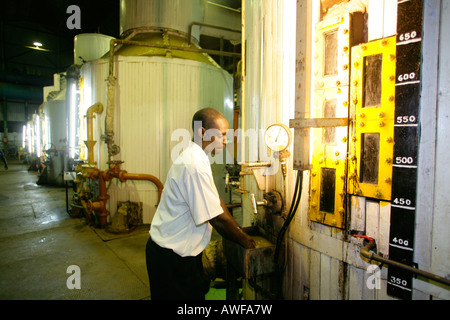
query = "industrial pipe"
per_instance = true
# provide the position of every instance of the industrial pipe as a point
(365, 252)
(209, 26)
(123, 176)
(90, 143)
(115, 172)
(100, 205)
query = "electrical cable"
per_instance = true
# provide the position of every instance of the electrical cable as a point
(294, 206)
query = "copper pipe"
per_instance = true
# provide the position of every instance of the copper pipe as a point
(100, 205)
(123, 176)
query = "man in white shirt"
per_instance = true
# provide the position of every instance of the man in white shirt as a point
(189, 206)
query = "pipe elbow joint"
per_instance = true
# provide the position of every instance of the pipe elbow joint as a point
(96, 108)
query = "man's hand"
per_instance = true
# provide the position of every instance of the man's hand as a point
(228, 228)
(249, 243)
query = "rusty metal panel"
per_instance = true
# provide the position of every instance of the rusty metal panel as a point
(329, 159)
(334, 38)
(251, 262)
(372, 110)
(332, 54)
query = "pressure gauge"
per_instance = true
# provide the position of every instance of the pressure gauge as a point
(278, 137)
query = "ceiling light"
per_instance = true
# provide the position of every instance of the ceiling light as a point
(37, 46)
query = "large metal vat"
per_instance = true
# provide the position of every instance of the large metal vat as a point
(155, 94)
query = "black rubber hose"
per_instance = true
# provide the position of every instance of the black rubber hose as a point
(294, 206)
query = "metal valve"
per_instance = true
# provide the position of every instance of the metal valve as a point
(255, 203)
(229, 183)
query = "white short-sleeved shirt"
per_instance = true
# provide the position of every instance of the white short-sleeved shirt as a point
(189, 199)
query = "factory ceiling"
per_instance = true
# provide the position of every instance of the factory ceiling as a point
(23, 23)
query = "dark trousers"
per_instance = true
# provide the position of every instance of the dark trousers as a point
(173, 277)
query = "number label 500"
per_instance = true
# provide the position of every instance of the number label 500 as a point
(404, 160)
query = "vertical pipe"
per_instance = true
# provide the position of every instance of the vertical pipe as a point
(5, 118)
(243, 43)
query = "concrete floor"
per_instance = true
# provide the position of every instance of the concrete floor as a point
(39, 241)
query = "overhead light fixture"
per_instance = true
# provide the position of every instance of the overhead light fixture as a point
(37, 46)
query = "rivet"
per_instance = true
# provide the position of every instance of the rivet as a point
(336, 153)
(320, 161)
(355, 83)
(345, 49)
(341, 210)
(353, 158)
(381, 124)
(336, 162)
(383, 43)
(391, 57)
(378, 194)
(387, 180)
(389, 140)
(313, 173)
(391, 98)
(364, 48)
(361, 115)
(361, 124)
(313, 190)
(381, 114)
(388, 160)
(338, 83)
(345, 31)
(392, 78)
(343, 176)
(354, 139)
(356, 64)
(355, 101)
(345, 67)
(313, 204)
(344, 139)
(345, 103)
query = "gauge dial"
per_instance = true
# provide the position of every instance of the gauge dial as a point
(278, 137)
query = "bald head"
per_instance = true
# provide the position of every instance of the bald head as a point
(210, 129)
(207, 117)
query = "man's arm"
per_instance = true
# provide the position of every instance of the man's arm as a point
(228, 228)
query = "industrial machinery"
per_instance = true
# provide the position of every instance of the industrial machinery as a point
(122, 98)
